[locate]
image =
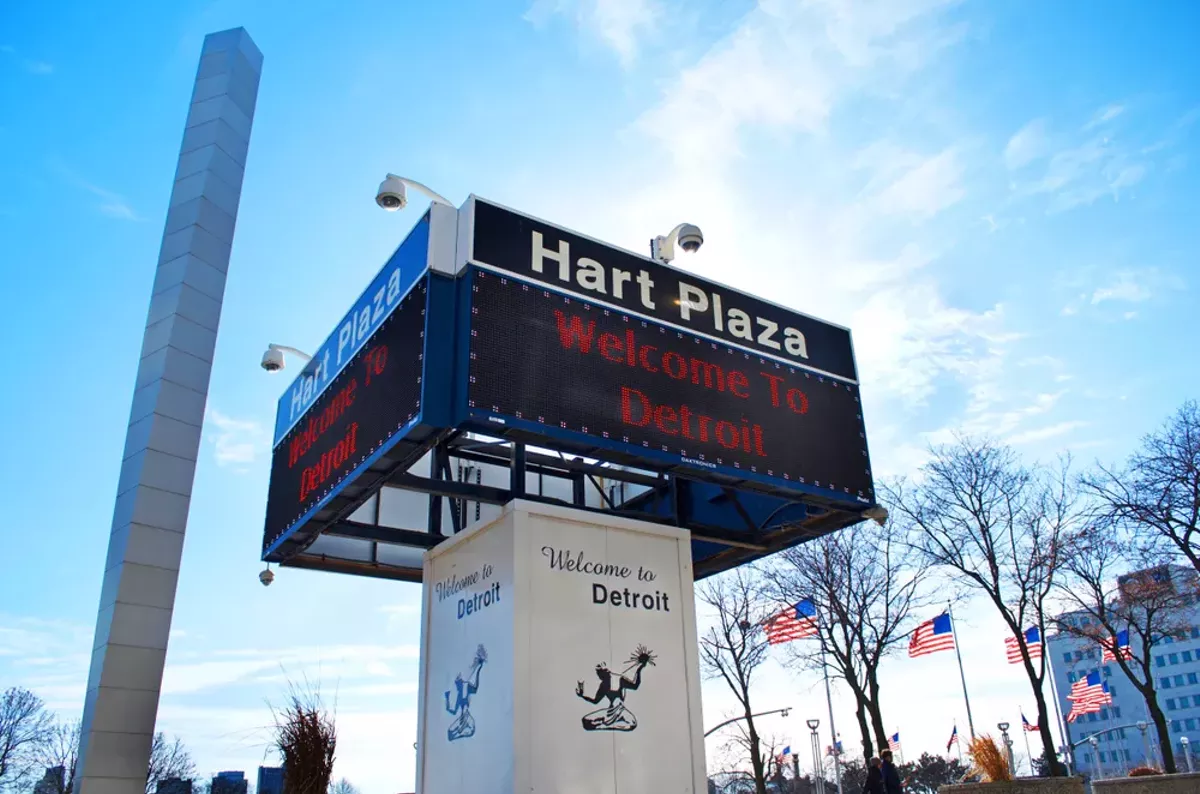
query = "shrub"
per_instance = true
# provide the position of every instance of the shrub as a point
(1142, 771)
(988, 761)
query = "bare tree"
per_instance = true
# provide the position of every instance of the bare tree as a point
(998, 526)
(60, 748)
(866, 591)
(1156, 496)
(168, 759)
(736, 647)
(1104, 603)
(24, 725)
(343, 786)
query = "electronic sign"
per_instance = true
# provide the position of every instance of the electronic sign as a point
(535, 250)
(375, 396)
(551, 361)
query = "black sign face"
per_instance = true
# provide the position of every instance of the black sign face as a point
(377, 394)
(538, 251)
(558, 361)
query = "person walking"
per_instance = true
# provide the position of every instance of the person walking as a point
(891, 775)
(874, 784)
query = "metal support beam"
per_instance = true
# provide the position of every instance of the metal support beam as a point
(517, 474)
(382, 534)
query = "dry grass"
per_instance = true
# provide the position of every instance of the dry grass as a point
(989, 761)
(306, 739)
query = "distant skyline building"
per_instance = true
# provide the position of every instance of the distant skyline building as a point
(230, 783)
(270, 780)
(53, 782)
(1121, 742)
(174, 785)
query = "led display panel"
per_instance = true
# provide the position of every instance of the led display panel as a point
(555, 361)
(374, 397)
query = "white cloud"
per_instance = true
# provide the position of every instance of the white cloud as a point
(1044, 433)
(1027, 145)
(237, 442)
(1104, 115)
(1126, 286)
(620, 24)
(927, 189)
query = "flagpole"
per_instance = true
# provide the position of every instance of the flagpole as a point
(1028, 752)
(962, 674)
(837, 758)
(1063, 734)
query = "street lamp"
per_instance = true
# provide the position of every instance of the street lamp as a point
(1187, 751)
(818, 767)
(687, 235)
(273, 360)
(1095, 743)
(1142, 726)
(1003, 726)
(393, 195)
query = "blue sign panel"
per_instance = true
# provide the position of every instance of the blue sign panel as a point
(367, 315)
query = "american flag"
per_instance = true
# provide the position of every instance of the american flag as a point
(1117, 645)
(1087, 695)
(1033, 641)
(932, 636)
(793, 623)
(1031, 727)
(894, 742)
(953, 738)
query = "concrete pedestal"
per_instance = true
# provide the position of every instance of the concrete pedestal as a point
(559, 655)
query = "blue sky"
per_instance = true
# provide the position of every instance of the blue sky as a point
(999, 199)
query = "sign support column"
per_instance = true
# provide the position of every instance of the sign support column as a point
(163, 440)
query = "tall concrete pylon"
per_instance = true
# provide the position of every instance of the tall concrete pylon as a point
(163, 439)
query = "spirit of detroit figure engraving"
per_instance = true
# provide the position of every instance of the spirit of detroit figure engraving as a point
(464, 726)
(615, 716)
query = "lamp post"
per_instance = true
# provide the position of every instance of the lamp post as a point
(818, 771)
(1187, 752)
(1142, 726)
(1003, 726)
(1095, 743)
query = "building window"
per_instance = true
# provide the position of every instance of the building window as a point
(1178, 680)
(1103, 714)
(1116, 710)
(1192, 679)
(1107, 671)
(1067, 657)
(1173, 658)
(1186, 656)
(1195, 632)
(1126, 752)
(1091, 716)
(1189, 724)
(1175, 726)
(1087, 757)
(1071, 678)
(1164, 683)
(1112, 690)
(1160, 661)
(1170, 704)
(1196, 701)
(1102, 758)
(1091, 653)
(1078, 655)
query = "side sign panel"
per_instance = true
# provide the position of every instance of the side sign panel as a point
(467, 726)
(538, 251)
(561, 363)
(374, 396)
(369, 312)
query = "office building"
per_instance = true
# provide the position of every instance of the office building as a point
(1121, 742)
(230, 783)
(53, 782)
(270, 780)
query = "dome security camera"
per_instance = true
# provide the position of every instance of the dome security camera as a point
(392, 194)
(272, 360)
(690, 238)
(266, 577)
